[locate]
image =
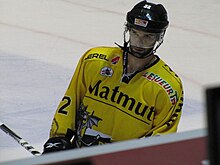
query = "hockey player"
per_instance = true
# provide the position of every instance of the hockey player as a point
(121, 93)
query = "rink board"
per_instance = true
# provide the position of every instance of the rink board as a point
(181, 148)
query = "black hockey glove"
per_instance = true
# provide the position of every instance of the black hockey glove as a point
(57, 144)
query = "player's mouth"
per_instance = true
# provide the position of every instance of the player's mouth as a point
(137, 49)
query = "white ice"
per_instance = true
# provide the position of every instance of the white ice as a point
(42, 40)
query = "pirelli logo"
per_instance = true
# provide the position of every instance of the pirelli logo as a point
(97, 56)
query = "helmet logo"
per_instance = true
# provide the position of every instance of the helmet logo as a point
(140, 22)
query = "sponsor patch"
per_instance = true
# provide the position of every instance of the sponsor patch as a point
(125, 103)
(140, 22)
(106, 71)
(165, 85)
(115, 60)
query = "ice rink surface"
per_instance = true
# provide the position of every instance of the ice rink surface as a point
(41, 42)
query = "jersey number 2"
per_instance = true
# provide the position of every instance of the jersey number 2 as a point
(66, 104)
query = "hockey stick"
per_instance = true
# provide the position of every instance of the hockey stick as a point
(21, 141)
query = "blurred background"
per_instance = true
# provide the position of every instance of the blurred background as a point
(41, 42)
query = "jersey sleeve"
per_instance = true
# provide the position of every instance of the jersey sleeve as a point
(167, 115)
(65, 115)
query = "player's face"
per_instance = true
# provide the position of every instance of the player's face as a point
(141, 42)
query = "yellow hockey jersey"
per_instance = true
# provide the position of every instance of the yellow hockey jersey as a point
(149, 104)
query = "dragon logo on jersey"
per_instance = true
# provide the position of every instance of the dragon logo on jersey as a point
(85, 121)
(106, 71)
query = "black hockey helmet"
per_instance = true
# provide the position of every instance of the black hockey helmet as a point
(148, 17)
